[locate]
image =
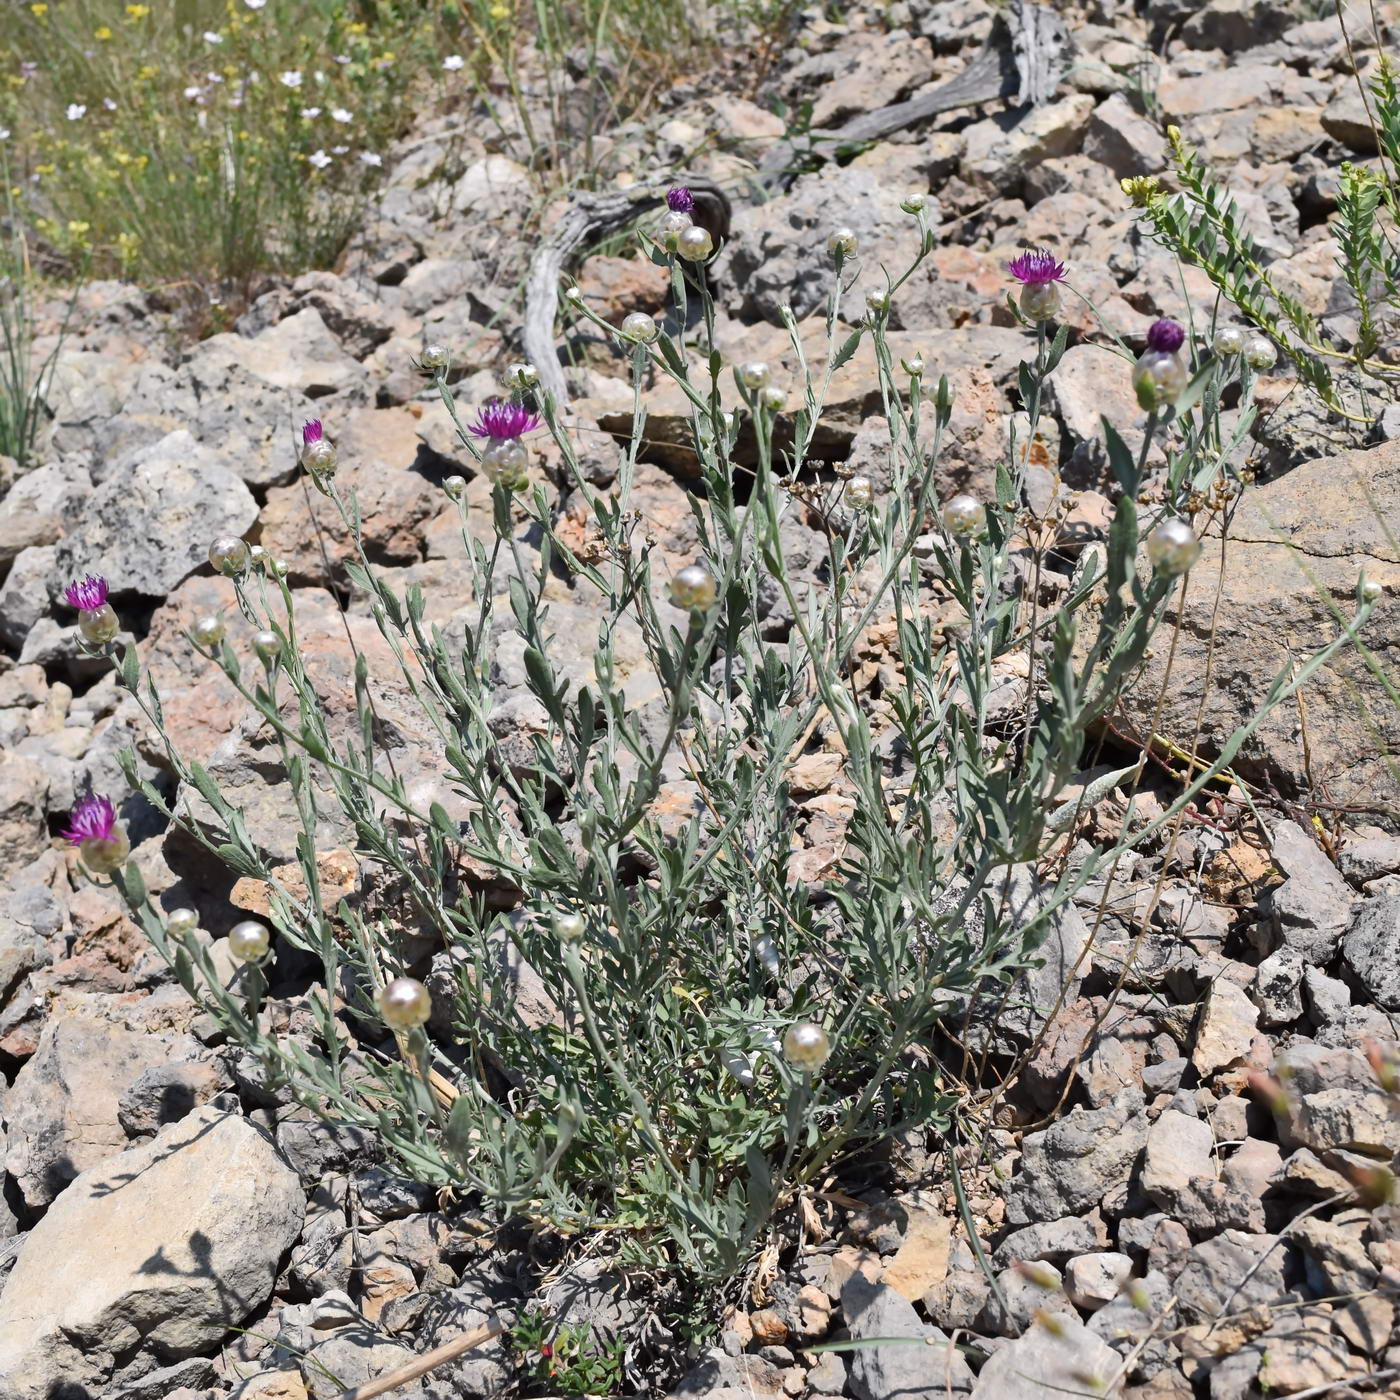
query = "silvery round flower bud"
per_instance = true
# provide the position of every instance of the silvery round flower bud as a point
(913, 366)
(1259, 353)
(754, 374)
(877, 302)
(267, 646)
(860, 492)
(772, 397)
(434, 357)
(179, 922)
(574, 295)
(504, 458)
(570, 927)
(248, 941)
(454, 487)
(913, 203)
(208, 632)
(257, 556)
(842, 241)
(1159, 378)
(806, 1046)
(277, 567)
(229, 555)
(639, 327)
(1172, 548)
(404, 1003)
(964, 516)
(1040, 300)
(670, 226)
(694, 587)
(319, 458)
(97, 626)
(1229, 340)
(695, 244)
(522, 375)
(1370, 590)
(103, 855)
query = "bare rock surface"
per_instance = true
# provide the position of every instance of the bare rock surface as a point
(166, 1246)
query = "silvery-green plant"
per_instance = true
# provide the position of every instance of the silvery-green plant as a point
(722, 1032)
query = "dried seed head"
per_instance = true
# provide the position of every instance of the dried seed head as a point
(806, 1046)
(842, 242)
(694, 588)
(1229, 340)
(248, 941)
(229, 555)
(404, 1003)
(1172, 548)
(964, 517)
(637, 326)
(181, 922)
(208, 632)
(1259, 353)
(694, 244)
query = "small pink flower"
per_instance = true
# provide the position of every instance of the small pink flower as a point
(86, 594)
(1165, 337)
(1036, 268)
(503, 420)
(311, 431)
(93, 819)
(680, 199)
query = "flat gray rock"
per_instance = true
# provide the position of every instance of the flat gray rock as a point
(166, 1246)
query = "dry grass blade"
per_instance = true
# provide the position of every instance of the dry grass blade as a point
(439, 1356)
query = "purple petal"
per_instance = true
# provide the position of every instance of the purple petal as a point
(1165, 337)
(93, 819)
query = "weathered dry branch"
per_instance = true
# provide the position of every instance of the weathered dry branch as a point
(1024, 58)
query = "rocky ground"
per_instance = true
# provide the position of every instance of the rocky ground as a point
(1150, 1218)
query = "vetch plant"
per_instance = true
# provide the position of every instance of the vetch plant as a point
(711, 1030)
(1200, 223)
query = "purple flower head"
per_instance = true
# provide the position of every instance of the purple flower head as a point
(87, 594)
(1165, 337)
(503, 420)
(1036, 267)
(311, 431)
(680, 199)
(93, 819)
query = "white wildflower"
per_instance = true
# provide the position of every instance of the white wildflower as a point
(369, 158)
(76, 111)
(291, 79)
(319, 159)
(452, 62)
(339, 114)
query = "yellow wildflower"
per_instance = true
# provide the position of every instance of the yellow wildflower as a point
(78, 226)
(102, 32)
(499, 12)
(147, 71)
(359, 27)
(137, 11)
(39, 11)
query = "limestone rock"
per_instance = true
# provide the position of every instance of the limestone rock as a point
(897, 1372)
(299, 353)
(1371, 950)
(1225, 1031)
(62, 1114)
(1270, 616)
(1051, 1359)
(167, 1246)
(1069, 1167)
(147, 528)
(24, 834)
